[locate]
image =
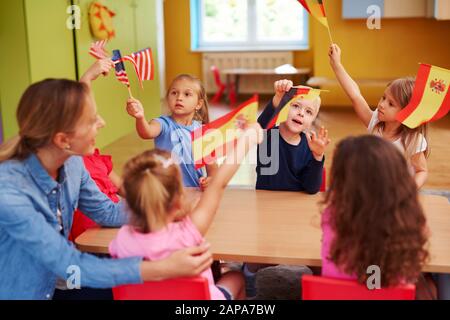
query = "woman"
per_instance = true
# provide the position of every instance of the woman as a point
(43, 180)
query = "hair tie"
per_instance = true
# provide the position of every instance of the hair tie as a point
(166, 162)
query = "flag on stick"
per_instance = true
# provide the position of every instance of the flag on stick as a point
(282, 111)
(211, 141)
(143, 64)
(121, 73)
(430, 100)
(97, 50)
(316, 8)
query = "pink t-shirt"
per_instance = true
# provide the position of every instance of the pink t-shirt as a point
(160, 244)
(329, 269)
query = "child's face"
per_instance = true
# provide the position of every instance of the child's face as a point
(388, 107)
(302, 114)
(86, 130)
(183, 98)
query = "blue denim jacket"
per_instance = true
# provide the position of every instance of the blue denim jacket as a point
(33, 252)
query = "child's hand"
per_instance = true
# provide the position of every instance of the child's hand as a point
(254, 132)
(102, 66)
(318, 143)
(241, 122)
(135, 108)
(281, 87)
(335, 55)
(204, 182)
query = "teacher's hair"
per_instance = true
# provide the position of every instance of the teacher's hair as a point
(46, 108)
(375, 212)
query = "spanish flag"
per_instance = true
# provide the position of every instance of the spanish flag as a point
(211, 141)
(316, 8)
(430, 100)
(282, 111)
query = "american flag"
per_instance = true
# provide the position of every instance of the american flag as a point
(97, 50)
(121, 74)
(143, 64)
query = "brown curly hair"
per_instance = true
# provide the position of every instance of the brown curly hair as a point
(375, 212)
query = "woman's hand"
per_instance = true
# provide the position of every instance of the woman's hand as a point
(102, 66)
(281, 87)
(189, 262)
(135, 108)
(318, 143)
(335, 55)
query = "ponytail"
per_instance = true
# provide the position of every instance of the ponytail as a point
(151, 188)
(14, 148)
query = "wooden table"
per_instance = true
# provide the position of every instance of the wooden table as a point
(283, 228)
(237, 73)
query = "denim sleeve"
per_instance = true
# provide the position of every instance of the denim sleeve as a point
(34, 235)
(311, 176)
(97, 206)
(266, 115)
(164, 125)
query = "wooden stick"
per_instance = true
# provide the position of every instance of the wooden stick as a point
(129, 92)
(329, 34)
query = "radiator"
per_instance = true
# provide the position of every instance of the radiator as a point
(258, 60)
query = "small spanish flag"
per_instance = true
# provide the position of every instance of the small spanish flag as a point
(316, 8)
(211, 141)
(300, 92)
(430, 100)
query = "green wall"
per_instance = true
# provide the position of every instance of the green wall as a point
(36, 44)
(14, 65)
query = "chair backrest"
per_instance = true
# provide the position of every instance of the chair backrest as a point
(172, 289)
(216, 75)
(321, 288)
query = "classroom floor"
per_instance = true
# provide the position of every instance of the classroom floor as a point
(340, 122)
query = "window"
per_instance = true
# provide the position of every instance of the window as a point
(220, 25)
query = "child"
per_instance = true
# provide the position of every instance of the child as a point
(154, 192)
(300, 153)
(373, 215)
(382, 122)
(299, 157)
(99, 166)
(187, 102)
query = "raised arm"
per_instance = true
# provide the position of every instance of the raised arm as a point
(102, 66)
(203, 214)
(349, 85)
(280, 88)
(145, 130)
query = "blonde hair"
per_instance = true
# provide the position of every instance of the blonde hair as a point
(201, 115)
(45, 108)
(152, 185)
(402, 90)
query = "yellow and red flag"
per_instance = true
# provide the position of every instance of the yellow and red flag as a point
(282, 111)
(430, 100)
(212, 140)
(316, 8)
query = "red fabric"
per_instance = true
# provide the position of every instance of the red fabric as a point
(99, 167)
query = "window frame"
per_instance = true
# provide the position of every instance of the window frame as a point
(199, 45)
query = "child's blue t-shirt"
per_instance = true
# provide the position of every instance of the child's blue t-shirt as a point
(176, 138)
(293, 169)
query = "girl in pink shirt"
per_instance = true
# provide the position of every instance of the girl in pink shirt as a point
(373, 215)
(159, 226)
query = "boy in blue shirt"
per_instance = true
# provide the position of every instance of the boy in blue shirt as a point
(298, 165)
(293, 157)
